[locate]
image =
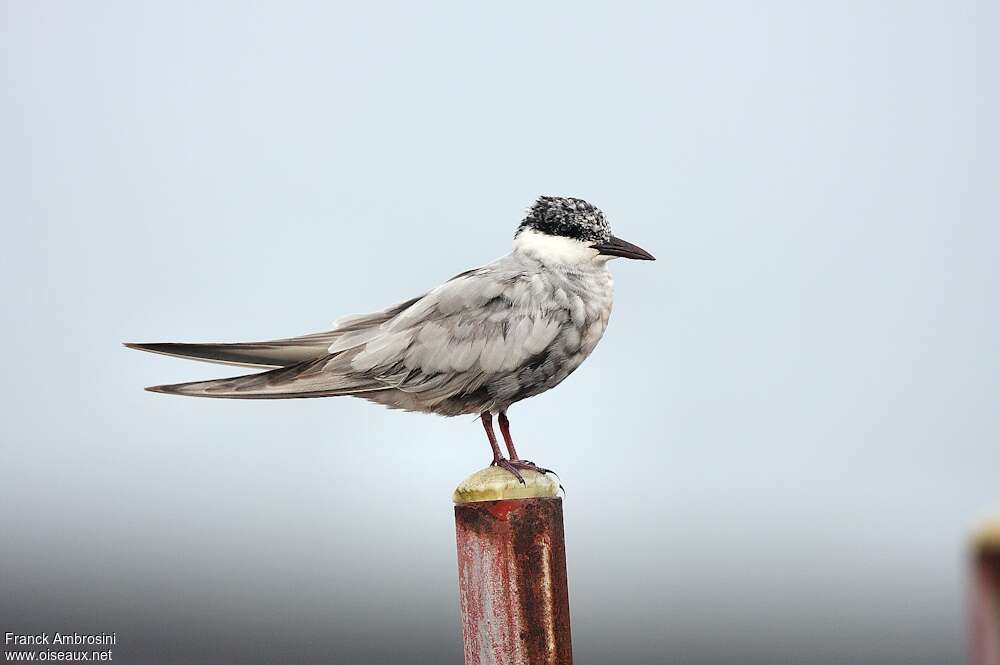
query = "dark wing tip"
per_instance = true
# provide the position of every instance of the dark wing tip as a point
(142, 347)
(172, 389)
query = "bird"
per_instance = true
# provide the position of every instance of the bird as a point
(480, 342)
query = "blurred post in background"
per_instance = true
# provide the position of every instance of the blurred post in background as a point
(985, 612)
(512, 570)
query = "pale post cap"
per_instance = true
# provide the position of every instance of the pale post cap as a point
(495, 484)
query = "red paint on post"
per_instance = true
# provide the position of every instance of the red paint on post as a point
(512, 582)
(501, 509)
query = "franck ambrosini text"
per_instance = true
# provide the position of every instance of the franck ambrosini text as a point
(29, 647)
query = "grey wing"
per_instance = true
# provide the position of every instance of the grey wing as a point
(473, 332)
(278, 352)
(469, 343)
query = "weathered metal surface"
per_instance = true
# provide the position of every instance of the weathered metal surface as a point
(985, 610)
(512, 582)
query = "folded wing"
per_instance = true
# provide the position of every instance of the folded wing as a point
(278, 352)
(477, 327)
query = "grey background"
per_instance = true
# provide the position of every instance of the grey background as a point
(775, 455)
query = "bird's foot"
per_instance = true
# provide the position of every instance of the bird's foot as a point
(515, 466)
(525, 464)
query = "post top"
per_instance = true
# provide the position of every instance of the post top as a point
(987, 536)
(494, 484)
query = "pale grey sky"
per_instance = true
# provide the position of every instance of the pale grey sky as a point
(801, 392)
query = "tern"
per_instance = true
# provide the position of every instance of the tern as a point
(483, 340)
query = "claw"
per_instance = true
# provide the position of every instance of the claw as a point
(525, 464)
(515, 466)
(512, 467)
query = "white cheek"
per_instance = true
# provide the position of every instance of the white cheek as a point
(556, 249)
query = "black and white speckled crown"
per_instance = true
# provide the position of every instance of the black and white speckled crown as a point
(567, 217)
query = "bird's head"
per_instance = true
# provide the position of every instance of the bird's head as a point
(571, 230)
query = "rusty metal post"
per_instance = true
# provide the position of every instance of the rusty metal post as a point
(984, 648)
(512, 571)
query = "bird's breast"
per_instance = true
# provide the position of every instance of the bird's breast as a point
(598, 299)
(584, 299)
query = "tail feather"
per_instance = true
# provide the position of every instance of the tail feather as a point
(274, 353)
(349, 332)
(317, 365)
(314, 378)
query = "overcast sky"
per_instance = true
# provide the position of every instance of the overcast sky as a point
(775, 455)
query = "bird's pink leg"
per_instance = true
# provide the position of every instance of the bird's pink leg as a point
(514, 459)
(487, 419)
(505, 430)
(498, 458)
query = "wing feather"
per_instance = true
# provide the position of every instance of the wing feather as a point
(348, 332)
(473, 332)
